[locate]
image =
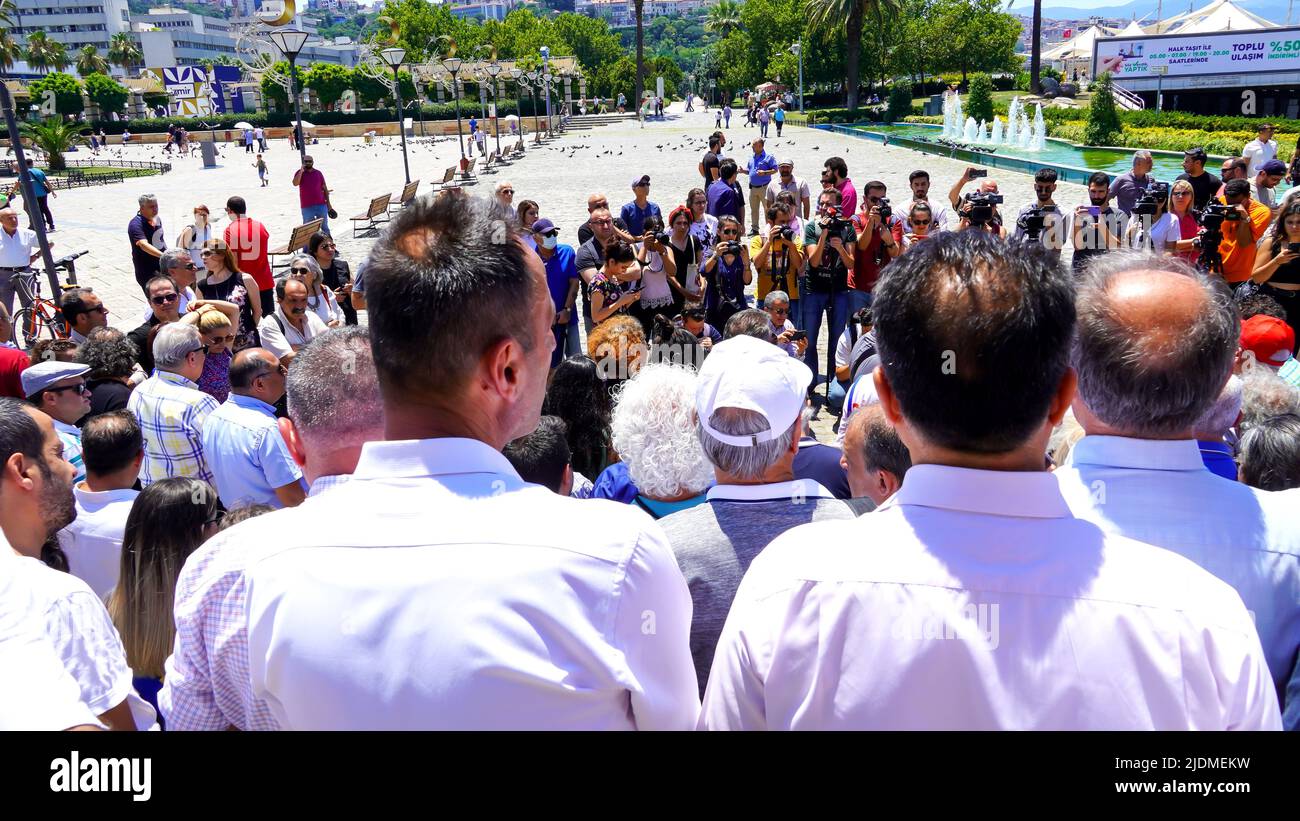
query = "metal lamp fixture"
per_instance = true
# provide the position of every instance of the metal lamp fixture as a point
(291, 43)
(394, 57)
(453, 64)
(493, 69)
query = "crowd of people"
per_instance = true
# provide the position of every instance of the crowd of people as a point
(1058, 496)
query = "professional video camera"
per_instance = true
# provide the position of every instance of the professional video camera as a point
(1211, 222)
(1149, 202)
(1032, 221)
(981, 205)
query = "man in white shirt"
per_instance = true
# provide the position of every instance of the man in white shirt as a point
(292, 325)
(972, 599)
(787, 181)
(35, 502)
(437, 589)
(1260, 150)
(334, 409)
(1154, 346)
(58, 390)
(113, 449)
(18, 247)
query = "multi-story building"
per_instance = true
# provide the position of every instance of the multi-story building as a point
(484, 10)
(74, 23)
(623, 13)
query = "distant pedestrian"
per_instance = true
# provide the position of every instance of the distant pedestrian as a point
(778, 117)
(262, 174)
(726, 114)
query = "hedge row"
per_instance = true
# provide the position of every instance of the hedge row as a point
(273, 119)
(1226, 143)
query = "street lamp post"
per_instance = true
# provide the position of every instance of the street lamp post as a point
(517, 75)
(797, 50)
(394, 57)
(290, 44)
(493, 69)
(546, 74)
(453, 64)
(419, 100)
(531, 77)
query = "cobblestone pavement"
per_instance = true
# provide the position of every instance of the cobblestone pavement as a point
(558, 175)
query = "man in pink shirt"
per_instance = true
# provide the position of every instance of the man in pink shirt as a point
(848, 194)
(249, 241)
(313, 195)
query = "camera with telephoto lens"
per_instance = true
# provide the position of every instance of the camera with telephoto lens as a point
(1149, 202)
(981, 206)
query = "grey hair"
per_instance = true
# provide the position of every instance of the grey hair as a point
(148, 198)
(1269, 453)
(333, 390)
(1223, 414)
(1142, 154)
(1151, 383)
(172, 258)
(746, 463)
(311, 262)
(749, 322)
(173, 343)
(775, 297)
(653, 430)
(1265, 394)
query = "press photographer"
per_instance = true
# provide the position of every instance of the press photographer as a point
(778, 257)
(1241, 232)
(1042, 220)
(829, 243)
(880, 239)
(1097, 227)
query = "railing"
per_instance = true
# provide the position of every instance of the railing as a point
(1127, 98)
(161, 167)
(59, 182)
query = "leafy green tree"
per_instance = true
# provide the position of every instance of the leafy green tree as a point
(1104, 126)
(329, 81)
(723, 18)
(10, 51)
(54, 136)
(771, 26)
(979, 104)
(421, 24)
(66, 88)
(122, 50)
(44, 54)
(900, 101)
(107, 93)
(590, 40)
(732, 64)
(849, 15)
(975, 35)
(90, 61)
(272, 88)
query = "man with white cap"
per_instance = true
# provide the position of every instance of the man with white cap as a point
(58, 389)
(750, 414)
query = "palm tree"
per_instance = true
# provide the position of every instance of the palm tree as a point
(1036, 49)
(44, 53)
(723, 18)
(90, 61)
(640, 53)
(5, 6)
(54, 136)
(831, 15)
(122, 50)
(10, 51)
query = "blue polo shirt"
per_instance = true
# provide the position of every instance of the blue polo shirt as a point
(561, 269)
(635, 216)
(40, 185)
(249, 460)
(761, 162)
(1218, 459)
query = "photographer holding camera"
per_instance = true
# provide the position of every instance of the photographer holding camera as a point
(1147, 212)
(777, 253)
(726, 274)
(829, 242)
(658, 275)
(1097, 226)
(1042, 220)
(1278, 270)
(978, 209)
(1248, 221)
(880, 239)
(1176, 231)
(1129, 186)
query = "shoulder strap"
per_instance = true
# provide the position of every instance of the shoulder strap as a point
(280, 322)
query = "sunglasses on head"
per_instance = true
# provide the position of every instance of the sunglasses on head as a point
(163, 299)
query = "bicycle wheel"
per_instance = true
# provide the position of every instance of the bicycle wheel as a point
(31, 325)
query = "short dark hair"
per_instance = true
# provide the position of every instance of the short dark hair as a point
(831, 192)
(749, 322)
(876, 185)
(714, 141)
(1045, 175)
(109, 353)
(837, 165)
(967, 322)
(1099, 178)
(1257, 304)
(449, 277)
(919, 174)
(316, 241)
(237, 205)
(73, 303)
(19, 432)
(109, 441)
(726, 168)
(154, 280)
(281, 282)
(881, 447)
(541, 456)
(1236, 188)
(619, 251)
(1269, 453)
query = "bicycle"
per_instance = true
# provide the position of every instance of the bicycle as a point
(39, 316)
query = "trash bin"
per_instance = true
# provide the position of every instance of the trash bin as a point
(209, 150)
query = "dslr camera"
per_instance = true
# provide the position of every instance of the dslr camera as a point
(835, 221)
(731, 247)
(1149, 202)
(885, 211)
(787, 234)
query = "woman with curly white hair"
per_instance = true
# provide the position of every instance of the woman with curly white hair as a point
(653, 431)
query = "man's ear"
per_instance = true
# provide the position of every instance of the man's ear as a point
(293, 441)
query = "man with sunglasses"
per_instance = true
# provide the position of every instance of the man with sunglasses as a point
(164, 302)
(590, 257)
(506, 194)
(585, 232)
(242, 441)
(58, 390)
(84, 311)
(635, 213)
(292, 325)
(1055, 226)
(171, 409)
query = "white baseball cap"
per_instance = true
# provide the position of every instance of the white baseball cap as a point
(750, 374)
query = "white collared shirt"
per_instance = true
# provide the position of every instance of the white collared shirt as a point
(284, 342)
(93, 542)
(1258, 152)
(16, 249)
(974, 600)
(464, 599)
(1160, 492)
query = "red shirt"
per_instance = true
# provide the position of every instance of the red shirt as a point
(311, 188)
(249, 241)
(12, 364)
(866, 271)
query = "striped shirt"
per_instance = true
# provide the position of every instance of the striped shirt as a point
(207, 684)
(70, 435)
(171, 410)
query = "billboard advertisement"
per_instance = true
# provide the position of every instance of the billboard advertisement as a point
(197, 92)
(1182, 55)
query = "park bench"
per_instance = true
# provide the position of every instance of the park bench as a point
(405, 198)
(448, 179)
(297, 239)
(491, 163)
(469, 171)
(373, 216)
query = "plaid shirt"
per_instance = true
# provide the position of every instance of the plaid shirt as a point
(171, 410)
(207, 685)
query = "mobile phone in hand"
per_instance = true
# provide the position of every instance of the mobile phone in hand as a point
(798, 335)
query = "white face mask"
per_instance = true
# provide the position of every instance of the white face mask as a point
(549, 242)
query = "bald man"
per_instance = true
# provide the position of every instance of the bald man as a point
(1154, 345)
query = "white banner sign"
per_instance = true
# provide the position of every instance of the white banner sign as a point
(1261, 50)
